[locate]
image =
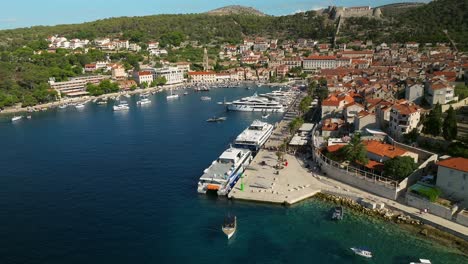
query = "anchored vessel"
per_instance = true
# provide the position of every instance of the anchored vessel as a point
(121, 106)
(229, 226)
(16, 118)
(254, 136)
(172, 96)
(224, 172)
(362, 252)
(338, 213)
(144, 101)
(256, 103)
(216, 119)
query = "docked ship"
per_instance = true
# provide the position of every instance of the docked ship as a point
(224, 172)
(254, 136)
(283, 97)
(256, 103)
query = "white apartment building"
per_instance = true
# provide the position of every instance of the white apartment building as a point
(172, 74)
(452, 178)
(440, 92)
(404, 118)
(319, 62)
(76, 86)
(143, 77)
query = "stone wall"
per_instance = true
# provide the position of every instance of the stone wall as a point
(455, 106)
(462, 218)
(435, 209)
(370, 183)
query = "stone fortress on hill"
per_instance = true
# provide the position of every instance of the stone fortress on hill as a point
(335, 12)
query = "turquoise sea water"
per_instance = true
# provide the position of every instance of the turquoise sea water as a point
(97, 186)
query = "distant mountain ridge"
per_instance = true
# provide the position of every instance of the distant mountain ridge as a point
(235, 10)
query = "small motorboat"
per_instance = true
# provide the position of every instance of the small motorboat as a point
(29, 117)
(144, 101)
(265, 116)
(216, 119)
(205, 98)
(16, 118)
(63, 106)
(362, 252)
(121, 106)
(422, 261)
(79, 106)
(186, 93)
(338, 213)
(229, 226)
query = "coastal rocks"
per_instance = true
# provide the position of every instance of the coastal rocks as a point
(370, 208)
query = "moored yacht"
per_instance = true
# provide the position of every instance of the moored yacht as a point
(16, 118)
(224, 172)
(256, 103)
(144, 101)
(121, 106)
(254, 136)
(172, 96)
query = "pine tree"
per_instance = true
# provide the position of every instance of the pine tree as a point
(433, 121)
(450, 125)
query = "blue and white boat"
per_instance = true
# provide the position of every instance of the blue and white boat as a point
(224, 172)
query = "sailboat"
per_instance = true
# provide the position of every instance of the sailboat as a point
(172, 96)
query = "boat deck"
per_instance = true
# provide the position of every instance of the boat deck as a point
(216, 172)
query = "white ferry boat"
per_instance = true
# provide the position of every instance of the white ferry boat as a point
(254, 136)
(224, 172)
(121, 106)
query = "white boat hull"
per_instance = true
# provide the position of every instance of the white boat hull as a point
(246, 108)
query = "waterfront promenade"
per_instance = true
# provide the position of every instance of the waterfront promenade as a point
(299, 180)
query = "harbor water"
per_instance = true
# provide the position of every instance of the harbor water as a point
(96, 186)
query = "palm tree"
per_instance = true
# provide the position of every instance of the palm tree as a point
(355, 151)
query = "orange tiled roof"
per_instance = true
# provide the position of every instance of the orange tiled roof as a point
(456, 163)
(320, 58)
(406, 109)
(383, 149)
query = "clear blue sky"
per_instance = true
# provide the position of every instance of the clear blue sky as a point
(25, 13)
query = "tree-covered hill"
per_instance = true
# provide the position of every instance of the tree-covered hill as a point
(202, 27)
(423, 23)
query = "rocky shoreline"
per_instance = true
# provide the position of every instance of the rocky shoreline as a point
(405, 221)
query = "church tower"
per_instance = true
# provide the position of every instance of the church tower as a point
(206, 64)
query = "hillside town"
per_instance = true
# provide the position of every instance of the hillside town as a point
(382, 97)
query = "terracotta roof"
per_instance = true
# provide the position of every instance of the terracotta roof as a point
(320, 58)
(201, 73)
(406, 109)
(456, 163)
(144, 73)
(334, 148)
(358, 52)
(383, 149)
